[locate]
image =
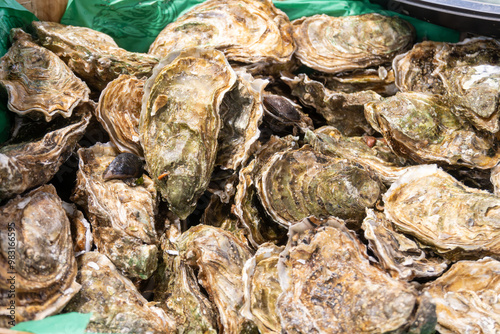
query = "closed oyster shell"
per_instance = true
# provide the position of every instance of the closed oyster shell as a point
(399, 255)
(32, 158)
(337, 44)
(119, 111)
(37, 264)
(241, 114)
(113, 300)
(219, 258)
(262, 288)
(466, 297)
(424, 128)
(345, 111)
(122, 215)
(179, 294)
(180, 123)
(38, 83)
(329, 286)
(377, 158)
(467, 73)
(299, 183)
(248, 31)
(92, 55)
(457, 221)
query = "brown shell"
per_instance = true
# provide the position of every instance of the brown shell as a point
(38, 83)
(37, 264)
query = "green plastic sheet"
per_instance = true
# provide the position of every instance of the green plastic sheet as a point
(67, 323)
(12, 15)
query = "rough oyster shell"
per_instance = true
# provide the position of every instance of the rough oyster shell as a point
(248, 31)
(299, 183)
(336, 44)
(260, 228)
(241, 114)
(219, 256)
(424, 128)
(32, 158)
(495, 179)
(457, 221)
(122, 215)
(180, 123)
(38, 83)
(115, 303)
(119, 111)
(329, 286)
(399, 255)
(466, 297)
(345, 111)
(179, 295)
(467, 73)
(36, 250)
(374, 156)
(92, 55)
(262, 288)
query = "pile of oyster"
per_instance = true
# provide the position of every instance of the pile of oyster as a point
(212, 186)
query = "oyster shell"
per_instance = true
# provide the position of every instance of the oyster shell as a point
(466, 297)
(262, 288)
(119, 111)
(467, 73)
(179, 295)
(92, 55)
(113, 300)
(37, 265)
(35, 152)
(399, 255)
(180, 123)
(122, 215)
(248, 31)
(81, 232)
(345, 111)
(424, 128)
(373, 154)
(337, 44)
(495, 179)
(219, 257)
(299, 183)
(329, 286)
(241, 114)
(457, 221)
(38, 83)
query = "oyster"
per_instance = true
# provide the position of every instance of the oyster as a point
(457, 221)
(466, 297)
(180, 123)
(380, 80)
(179, 295)
(337, 44)
(329, 286)
(371, 153)
(345, 111)
(92, 55)
(38, 83)
(260, 228)
(122, 215)
(241, 114)
(119, 110)
(37, 149)
(283, 116)
(248, 31)
(398, 254)
(219, 257)
(424, 128)
(113, 300)
(37, 265)
(467, 73)
(262, 288)
(81, 232)
(299, 183)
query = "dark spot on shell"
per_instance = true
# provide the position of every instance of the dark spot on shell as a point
(281, 107)
(124, 166)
